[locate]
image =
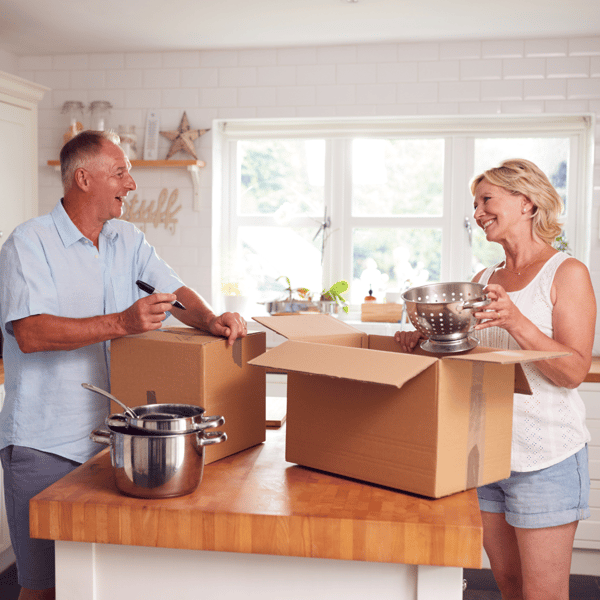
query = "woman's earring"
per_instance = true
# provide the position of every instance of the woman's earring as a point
(524, 210)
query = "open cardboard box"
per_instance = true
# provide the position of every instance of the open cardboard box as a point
(359, 407)
(183, 365)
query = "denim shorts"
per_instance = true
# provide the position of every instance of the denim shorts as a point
(26, 473)
(549, 497)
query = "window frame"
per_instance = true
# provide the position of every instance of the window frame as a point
(459, 134)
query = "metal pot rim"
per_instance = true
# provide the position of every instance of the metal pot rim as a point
(186, 418)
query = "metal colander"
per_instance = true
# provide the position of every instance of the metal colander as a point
(444, 311)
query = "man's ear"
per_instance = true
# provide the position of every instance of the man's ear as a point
(82, 179)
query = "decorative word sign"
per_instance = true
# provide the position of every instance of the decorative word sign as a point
(160, 212)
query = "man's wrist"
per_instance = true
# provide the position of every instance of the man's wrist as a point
(209, 319)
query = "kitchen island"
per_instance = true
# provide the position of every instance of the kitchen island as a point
(257, 527)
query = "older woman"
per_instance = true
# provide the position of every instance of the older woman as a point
(542, 299)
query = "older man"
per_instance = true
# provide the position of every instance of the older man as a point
(67, 287)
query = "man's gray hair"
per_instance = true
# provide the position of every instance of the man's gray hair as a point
(85, 146)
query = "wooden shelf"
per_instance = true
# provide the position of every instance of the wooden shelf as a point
(193, 167)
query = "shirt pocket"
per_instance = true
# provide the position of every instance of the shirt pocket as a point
(123, 290)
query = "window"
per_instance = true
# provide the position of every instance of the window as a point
(382, 203)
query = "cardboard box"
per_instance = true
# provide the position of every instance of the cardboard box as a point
(358, 407)
(186, 366)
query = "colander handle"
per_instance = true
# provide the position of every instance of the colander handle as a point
(472, 305)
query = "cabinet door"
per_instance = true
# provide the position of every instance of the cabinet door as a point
(18, 167)
(588, 531)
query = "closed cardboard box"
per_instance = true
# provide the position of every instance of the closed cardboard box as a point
(186, 366)
(358, 407)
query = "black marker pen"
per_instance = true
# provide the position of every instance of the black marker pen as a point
(145, 287)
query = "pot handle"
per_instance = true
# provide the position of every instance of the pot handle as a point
(117, 420)
(207, 438)
(214, 421)
(472, 305)
(101, 436)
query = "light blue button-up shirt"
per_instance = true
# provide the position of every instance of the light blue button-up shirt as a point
(48, 267)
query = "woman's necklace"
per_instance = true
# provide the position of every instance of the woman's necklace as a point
(522, 269)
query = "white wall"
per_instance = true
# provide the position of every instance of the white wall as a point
(8, 62)
(535, 76)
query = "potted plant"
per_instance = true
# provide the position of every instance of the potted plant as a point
(334, 294)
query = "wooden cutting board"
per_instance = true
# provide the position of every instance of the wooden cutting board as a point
(276, 410)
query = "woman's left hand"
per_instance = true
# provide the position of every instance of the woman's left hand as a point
(500, 312)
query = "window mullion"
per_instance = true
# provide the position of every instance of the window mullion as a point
(457, 251)
(337, 262)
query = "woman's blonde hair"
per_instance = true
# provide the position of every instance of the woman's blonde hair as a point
(520, 176)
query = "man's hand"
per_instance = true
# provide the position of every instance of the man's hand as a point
(229, 325)
(147, 314)
(199, 314)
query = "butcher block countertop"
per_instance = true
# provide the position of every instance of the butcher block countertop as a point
(594, 375)
(256, 502)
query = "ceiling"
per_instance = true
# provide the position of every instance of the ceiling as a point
(34, 27)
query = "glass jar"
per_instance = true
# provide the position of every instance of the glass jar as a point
(100, 110)
(73, 110)
(128, 141)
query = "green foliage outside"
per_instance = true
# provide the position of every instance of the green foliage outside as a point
(276, 172)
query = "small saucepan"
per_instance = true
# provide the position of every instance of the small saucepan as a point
(166, 418)
(159, 418)
(156, 466)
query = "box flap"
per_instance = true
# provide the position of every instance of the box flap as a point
(303, 327)
(505, 357)
(358, 364)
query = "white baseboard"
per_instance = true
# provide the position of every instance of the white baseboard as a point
(585, 562)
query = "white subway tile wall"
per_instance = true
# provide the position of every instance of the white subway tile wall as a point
(421, 78)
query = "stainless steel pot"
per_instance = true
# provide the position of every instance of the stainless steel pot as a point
(156, 466)
(166, 418)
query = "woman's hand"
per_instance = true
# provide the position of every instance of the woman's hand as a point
(500, 312)
(408, 340)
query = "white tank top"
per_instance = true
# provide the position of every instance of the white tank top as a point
(548, 426)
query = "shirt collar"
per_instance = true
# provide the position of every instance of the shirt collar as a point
(69, 234)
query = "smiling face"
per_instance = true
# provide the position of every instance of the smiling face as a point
(499, 213)
(110, 181)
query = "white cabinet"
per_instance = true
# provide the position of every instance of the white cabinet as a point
(4, 537)
(7, 556)
(18, 151)
(588, 531)
(19, 198)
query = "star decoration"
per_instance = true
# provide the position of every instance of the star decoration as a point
(183, 138)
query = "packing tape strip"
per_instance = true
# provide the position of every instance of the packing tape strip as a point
(237, 352)
(476, 434)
